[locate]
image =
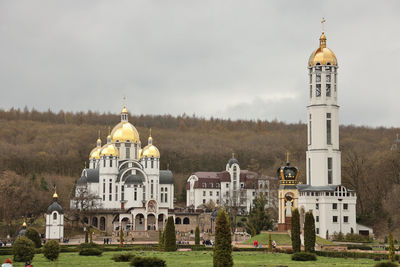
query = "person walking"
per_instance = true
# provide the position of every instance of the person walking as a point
(28, 264)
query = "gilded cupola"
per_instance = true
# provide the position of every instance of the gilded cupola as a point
(124, 131)
(323, 55)
(109, 149)
(150, 150)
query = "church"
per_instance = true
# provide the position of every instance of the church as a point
(332, 204)
(123, 185)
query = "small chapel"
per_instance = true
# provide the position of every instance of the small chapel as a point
(55, 220)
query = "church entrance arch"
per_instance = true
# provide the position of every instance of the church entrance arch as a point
(126, 224)
(139, 222)
(151, 222)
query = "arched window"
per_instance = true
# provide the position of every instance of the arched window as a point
(55, 216)
(102, 223)
(186, 220)
(178, 220)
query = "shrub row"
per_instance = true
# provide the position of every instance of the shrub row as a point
(304, 256)
(361, 247)
(148, 262)
(348, 254)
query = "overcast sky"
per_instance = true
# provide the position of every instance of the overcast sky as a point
(229, 59)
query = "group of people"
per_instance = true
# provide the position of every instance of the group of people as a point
(8, 263)
(5, 242)
(258, 245)
(107, 241)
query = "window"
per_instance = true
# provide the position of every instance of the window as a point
(122, 192)
(110, 186)
(334, 219)
(334, 206)
(310, 78)
(317, 231)
(127, 152)
(217, 193)
(211, 194)
(328, 78)
(144, 192)
(166, 189)
(318, 77)
(151, 189)
(204, 193)
(116, 193)
(165, 197)
(310, 91)
(135, 194)
(346, 219)
(328, 129)
(242, 185)
(152, 162)
(211, 185)
(318, 90)
(204, 201)
(218, 185)
(329, 170)
(317, 206)
(328, 90)
(104, 162)
(254, 193)
(162, 189)
(145, 162)
(345, 206)
(55, 216)
(203, 185)
(227, 185)
(317, 218)
(110, 161)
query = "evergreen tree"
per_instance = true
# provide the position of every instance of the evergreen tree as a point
(223, 241)
(258, 219)
(197, 236)
(295, 231)
(33, 235)
(51, 250)
(327, 234)
(170, 236)
(391, 247)
(309, 233)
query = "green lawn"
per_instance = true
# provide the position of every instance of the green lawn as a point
(280, 239)
(194, 258)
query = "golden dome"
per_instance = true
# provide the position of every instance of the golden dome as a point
(124, 111)
(322, 55)
(150, 151)
(24, 224)
(95, 153)
(55, 195)
(125, 131)
(109, 149)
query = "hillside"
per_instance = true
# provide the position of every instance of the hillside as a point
(47, 148)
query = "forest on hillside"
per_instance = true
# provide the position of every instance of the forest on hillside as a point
(40, 149)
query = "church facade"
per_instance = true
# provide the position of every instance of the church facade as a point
(333, 205)
(123, 185)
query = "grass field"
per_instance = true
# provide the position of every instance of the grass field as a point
(195, 258)
(281, 239)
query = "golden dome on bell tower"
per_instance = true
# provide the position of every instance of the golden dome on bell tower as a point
(323, 55)
(125, 131)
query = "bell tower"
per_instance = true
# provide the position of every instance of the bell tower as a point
(323, 154)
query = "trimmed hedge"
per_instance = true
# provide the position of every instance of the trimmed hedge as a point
(23, 249)
(344, 254)
(90, 252)
(148, 262)
(386, 264)
(51, 250)
(125, 257)
(304, 256)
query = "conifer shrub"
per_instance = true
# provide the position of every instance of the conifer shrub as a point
(89, 249)
(170, 237)
(304, 256)
(392, 250)
(160, 240)
(124, 257)
(197, 236)
(309, 233)
(33, 235)
(23, 249)
(148, 262)
(51, 250)
(295, 231)
(223, 241)
(386, 264)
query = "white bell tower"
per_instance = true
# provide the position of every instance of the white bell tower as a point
(323, 154)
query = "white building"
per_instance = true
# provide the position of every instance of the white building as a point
(333, 205)
(125, 182)
(55, 220)
(232, 187)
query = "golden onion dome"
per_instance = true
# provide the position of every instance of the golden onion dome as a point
(55, 195)
(95, 153)
(322, 55)
(150, 150)
(125, 131)
(124, 111)
(109, 149)
(24, 224)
